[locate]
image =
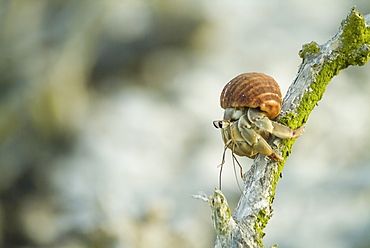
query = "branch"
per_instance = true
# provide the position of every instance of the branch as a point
(350, 46)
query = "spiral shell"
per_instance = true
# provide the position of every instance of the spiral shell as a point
(253, 90)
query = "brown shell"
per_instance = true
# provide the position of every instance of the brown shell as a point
(253, 90)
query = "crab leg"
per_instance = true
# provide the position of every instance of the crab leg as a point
(258, 118)
(255, 140)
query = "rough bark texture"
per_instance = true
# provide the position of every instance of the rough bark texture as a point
(350, 46)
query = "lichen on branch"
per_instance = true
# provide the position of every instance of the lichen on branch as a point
(350, 46)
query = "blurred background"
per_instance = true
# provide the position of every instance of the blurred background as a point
(106, 122)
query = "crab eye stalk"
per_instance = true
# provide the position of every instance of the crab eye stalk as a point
(221, 124)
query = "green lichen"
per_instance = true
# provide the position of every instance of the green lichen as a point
(259, 225)
(221, 213)
(354, 49)
(355, 35)
(307, 104)
(309, 49)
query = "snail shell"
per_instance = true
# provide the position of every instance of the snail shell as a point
(253, 90)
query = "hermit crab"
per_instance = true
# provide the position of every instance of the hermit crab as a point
(251, 101)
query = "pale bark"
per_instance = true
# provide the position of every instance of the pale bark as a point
(350, 46)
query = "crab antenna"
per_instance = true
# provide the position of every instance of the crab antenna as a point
(241, 173)
(222, 165)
